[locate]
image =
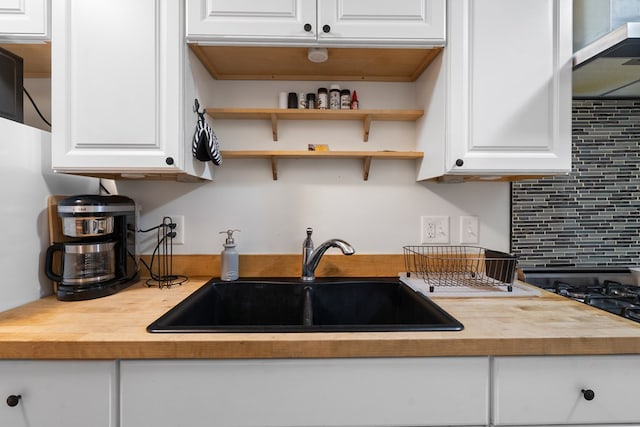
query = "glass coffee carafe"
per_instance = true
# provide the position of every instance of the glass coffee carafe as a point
(81, 264)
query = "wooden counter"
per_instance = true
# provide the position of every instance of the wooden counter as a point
(113, 327)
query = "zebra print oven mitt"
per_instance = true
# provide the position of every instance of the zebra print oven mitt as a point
(205, 145)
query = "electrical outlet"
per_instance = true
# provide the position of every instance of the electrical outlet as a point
(179, 221)
(435, 229)
(469, 229)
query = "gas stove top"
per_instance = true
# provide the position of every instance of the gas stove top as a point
(611, 289)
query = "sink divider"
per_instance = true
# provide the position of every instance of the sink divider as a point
(307, 312)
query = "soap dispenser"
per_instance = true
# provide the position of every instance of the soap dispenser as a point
(229, 258)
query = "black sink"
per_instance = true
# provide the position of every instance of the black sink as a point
(289, 305)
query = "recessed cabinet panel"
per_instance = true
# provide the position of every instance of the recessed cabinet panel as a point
(58, 394)
(417, 20)
(313, 392)
(257, 19)
(117, 69)
(566, 390)
(24, 20)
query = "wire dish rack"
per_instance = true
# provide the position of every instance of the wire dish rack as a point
(469, 266)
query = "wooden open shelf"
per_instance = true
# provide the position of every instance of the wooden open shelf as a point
(366, 156)
(276, 114)
(291, 63)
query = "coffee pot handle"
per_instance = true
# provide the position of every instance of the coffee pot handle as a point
(48, 262)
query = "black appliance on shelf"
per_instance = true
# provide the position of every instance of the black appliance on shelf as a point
(613, 289)
(98, 256)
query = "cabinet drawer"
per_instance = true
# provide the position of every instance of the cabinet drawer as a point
(58, 393)
(548, 390)
(310, 392)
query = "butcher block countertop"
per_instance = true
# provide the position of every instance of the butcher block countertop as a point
(113, 327)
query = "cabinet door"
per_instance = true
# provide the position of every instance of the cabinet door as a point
(549, 390)
(509, 100)
(251, 20)
(24, 20)
(58, 394)
(310, 392)
(407, 22)
(117, 67)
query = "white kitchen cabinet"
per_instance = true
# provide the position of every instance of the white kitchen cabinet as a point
(505, 82)
(332, 22)
(305, 392)
(549, 390)
(58, 394)
(118, 97)
(24, 20)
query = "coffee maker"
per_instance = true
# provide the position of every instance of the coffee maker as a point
(98, 256)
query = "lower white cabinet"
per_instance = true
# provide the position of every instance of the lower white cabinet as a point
(58, 393)
(305, 392)
(554, 390)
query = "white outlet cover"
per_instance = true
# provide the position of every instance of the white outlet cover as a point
(469, 230)
(434, 230)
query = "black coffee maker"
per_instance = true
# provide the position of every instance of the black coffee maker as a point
(98, 256)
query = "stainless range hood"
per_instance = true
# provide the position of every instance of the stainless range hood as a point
(606, 62)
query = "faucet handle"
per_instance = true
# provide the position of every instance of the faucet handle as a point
(309, 231)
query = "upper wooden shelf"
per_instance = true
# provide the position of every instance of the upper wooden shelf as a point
(275, 114)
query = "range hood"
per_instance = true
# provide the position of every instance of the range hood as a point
(606, 60)
(610, 66)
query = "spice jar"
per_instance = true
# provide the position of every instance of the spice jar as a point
(345, 99)
(323, 98)
(354, 101)
(334, 97)
(311, 101)
(292, 100)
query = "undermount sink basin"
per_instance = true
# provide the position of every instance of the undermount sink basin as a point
(289, 305)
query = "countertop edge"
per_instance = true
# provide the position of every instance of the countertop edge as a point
(316, 348)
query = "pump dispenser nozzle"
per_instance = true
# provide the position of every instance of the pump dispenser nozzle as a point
(229, 232)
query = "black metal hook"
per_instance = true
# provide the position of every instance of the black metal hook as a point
(196, 106)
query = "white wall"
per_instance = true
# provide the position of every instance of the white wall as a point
(377, 216)
(25, 162)
(40, 91)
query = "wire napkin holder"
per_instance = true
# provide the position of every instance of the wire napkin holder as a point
(469, 266)
(162, 272)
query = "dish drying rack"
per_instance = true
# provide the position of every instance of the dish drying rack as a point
(468, 266)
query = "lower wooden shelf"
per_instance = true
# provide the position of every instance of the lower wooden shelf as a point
(366, 156)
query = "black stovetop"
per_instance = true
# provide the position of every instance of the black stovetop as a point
(612, 289)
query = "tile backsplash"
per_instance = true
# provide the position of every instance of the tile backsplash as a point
(590, 217)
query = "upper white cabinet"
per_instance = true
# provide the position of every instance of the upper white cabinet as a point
(24, 20)
(58, 393)
(313, 392)
(118, 69)
(331, 22)
(506, 83)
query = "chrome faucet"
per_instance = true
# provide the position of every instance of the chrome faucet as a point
(311, 257)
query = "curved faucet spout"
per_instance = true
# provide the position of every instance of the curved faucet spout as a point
(311, 257)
